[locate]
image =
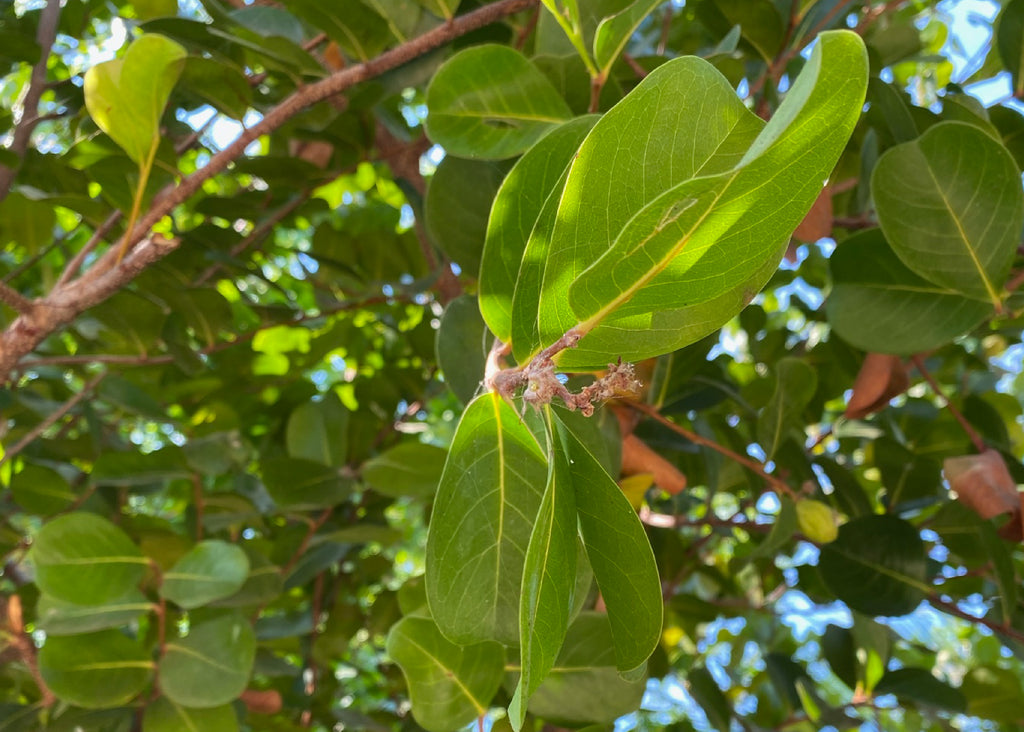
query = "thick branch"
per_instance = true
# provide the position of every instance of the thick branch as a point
(45, 36)
(107, 275)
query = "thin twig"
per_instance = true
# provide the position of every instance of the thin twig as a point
(751, 465)
(52, 418)
(976, 440)
(953, 609)
(26, 650)
(314, 526)
(46, 34)
(10, 296)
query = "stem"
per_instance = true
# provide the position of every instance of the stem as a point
(10, 296)
(975, 438)
(145, 168)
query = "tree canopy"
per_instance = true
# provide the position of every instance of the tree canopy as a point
(418, 364)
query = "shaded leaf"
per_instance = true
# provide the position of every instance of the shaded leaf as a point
(163, 715)
(58, 617)
(409, 469)
(95, 670)
(318, 431)
(303, 484)
(210, 666)
(463, 342)
(211, 570)
(795, 384)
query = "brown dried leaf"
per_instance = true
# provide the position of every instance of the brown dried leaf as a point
(262, 702)
(881, 377)
(817, 224)
(638, 458)
(983, 484)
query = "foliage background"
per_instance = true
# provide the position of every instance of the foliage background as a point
(314, 329)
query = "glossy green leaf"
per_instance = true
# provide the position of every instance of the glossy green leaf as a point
(549, 578)
(463, 343)
(210, 571)
(319, 431)
(163, 715)
(584, 686)
(84, 559)
(523, 211)
(95, 670)
(456, 207)
(58, 617)
(483, 517)
(490, 102)
(303, 484)
(926, 193)
(619, 554)
(41, 490)
(706, 236)
(993, 693)
(919, 686)
(877, 566)
(449, 685)
(408, 469)
(795, 384)
(211, 665)
(879, 305)
(614, 32)
(126, 97)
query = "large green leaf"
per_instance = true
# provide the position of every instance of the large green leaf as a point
(881, 306)
(877, 566)
(795, 384)
(211, 570)
(58, 617)
(84, 559)
(549, 578)
(319, 431)
(483, 517)
(619, 554)
(126, 97)
(41, 490)
(409, 469)
(95, 670)
(584, 687)
(951, 207)
(993, 693)
(211, 665)
(163, 715)
(491, 102)
(533, 179)
(449, 685)
(702, 219)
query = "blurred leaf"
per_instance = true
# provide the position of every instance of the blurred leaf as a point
(95, 670)
(408, 469)
(210, 571)
(163, 715)
(58, 617)
(318, 431)
(210, 666)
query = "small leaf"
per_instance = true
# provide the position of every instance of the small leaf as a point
(95, 670)
(983, 483)
(614, 32)
(926, 195)
(795, 384)
(126, 97)
(211, 665)
(705, 691)
(319, 431)
(490, 102)
(549, 577)
(58, 617)
(877, 566)
(163, 715)
(409, 469)
(620, 555)
(483, 517)
(881, 378)
(783, 528)
(449, 685)
(84, 559)
(210, 571)
(302, 485)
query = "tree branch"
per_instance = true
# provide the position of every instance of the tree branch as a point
(10, 296)
(46, 34)
(979, 444)
(108, 275)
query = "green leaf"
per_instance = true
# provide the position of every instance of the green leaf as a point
(319, 431)
(993, 693)
(549, 578)
(449, 685)
(126, 97)
(879, 305)
(219, 84)
(536, 179)
(918, 686)
(409, 469)
(210, 571)
(456, 207)
(125, 469)
(95, 670)
(148, 9)
(614, 32)
(58, 617)
(1010, 41)
(877, 566)
(620, 555)
(84, 559)
(926, 194)
(301, 485)
(26, 222)
(705, 691)
(584, 686)
(795, 384)
(211, 665)
(357, 29)
(441, 8)
(463, 343)
(41, 490)
(163, 715)
(490, 102)
(705, 236)
(783, 528)
(263, 583)
(483, 517)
